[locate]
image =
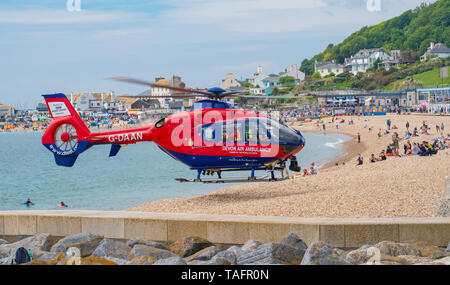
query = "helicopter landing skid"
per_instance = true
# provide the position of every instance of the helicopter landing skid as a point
(266, 178)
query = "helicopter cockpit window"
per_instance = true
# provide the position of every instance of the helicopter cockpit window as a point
(160, 123)
(280, 133)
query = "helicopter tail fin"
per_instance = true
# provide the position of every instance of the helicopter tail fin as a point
(67, 135)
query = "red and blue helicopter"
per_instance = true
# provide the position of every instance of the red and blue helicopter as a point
(211, 138)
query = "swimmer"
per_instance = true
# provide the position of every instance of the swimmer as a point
(28, 202)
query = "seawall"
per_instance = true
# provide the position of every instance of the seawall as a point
(226, 229)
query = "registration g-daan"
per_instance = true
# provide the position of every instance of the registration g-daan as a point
(211, 138)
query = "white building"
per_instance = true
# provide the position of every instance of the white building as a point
(366, 58)
(158, 91)
(258, 77)
(293, 71)
(436, 51)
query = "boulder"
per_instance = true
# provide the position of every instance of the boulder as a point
(171, 261)
(37, 243)
(426, 249)
(132, 242)
(204, 254)
(445, 261)
(251, 245)
(144, 250)
(357, 256)
(49, 258)
(319, 253)
(199, 262)
(272, 253)
(85, 242)
(188, 246)
(142, 260)
(95, 260)
(227, 257)
(293, 240)
(390, 248)
(109, 248)
(413, 259)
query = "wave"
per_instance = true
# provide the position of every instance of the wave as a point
(335, 145)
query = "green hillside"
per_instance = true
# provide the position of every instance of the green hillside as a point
(412, 31)
(429, 78)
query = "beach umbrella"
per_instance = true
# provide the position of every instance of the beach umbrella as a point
(424, 104)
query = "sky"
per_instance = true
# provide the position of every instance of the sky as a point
(64, 46)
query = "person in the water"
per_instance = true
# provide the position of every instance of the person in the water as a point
(28, 202)
(62, 204)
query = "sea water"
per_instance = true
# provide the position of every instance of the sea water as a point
(138, 174)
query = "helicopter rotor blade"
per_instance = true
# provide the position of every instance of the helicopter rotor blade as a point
(151, 84)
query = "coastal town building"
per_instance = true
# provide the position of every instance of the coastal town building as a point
(293, 71)
(229, 82)
(436, 51)
(175, 81)
(394, 60)
(325, 68)
(257, 78)
(91, 101)
(366, 58)
(42, 107)
(6, 112)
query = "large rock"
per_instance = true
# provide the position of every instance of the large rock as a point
(272, 253)
(357, 256)
(109, 248)
(143, 250)
(188, 246)
(204, 254)
(132, 242)
(171, 261)
(251, 245)
(85, 242)
(427, 249)
(227, 257)
(293, 240)
(390, 248)
(49, 258)
(142, 260)
(36, 243)
(319, 253)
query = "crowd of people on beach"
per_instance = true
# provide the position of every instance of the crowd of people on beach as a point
(424, 148)
(30, 121)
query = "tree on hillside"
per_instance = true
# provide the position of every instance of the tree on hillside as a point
(287, 80)
(413, 30)
(409, 56)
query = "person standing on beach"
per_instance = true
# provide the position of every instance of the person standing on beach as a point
(359, 138)
(442, 127)
(388, 123)
(395, 145)
(324, 129)
(407, 126)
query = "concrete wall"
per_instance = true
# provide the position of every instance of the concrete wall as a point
(346, 233)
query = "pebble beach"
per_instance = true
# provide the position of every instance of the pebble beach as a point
(407, 186)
